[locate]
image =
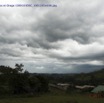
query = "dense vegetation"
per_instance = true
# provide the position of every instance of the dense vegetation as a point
(15, 81)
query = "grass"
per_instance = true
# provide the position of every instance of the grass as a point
(56, 96)
(49, 98)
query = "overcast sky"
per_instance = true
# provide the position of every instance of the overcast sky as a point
(68, 38)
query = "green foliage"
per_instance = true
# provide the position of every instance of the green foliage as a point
(18, 82)
(34, 84)
(44, 83)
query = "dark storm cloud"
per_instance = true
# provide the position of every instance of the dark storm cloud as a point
(54, 27)
(41, 43)
(76, 24)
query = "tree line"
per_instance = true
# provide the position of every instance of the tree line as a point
(15, 81)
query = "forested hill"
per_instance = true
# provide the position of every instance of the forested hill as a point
(95, 78)
(92, 78)
(101, 71)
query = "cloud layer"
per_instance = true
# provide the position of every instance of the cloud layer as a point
(62, 39)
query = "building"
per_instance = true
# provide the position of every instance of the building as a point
(98, 91)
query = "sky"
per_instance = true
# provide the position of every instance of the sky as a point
(68, 38)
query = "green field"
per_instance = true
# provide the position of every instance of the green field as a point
(55, 96)
(53, 99)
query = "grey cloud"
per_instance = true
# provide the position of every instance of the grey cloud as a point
(54, 28)
(41, 31)
(75, 25)
(10, 52)
(41, 43)
(86, 57)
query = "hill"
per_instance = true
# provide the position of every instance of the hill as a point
(92, 78)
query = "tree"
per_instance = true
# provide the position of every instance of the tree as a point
(19, 83)
(14, 80)
(34, 84)
(19, 68)
(44, 83)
